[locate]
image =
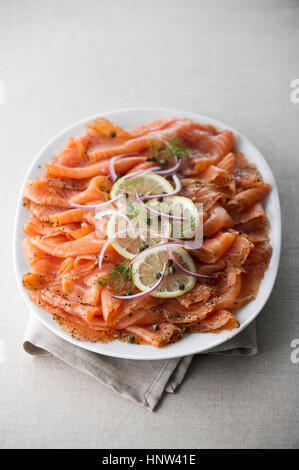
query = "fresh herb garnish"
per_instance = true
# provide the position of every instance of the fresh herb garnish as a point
(120, 274)
(174, 148)
(155, 148)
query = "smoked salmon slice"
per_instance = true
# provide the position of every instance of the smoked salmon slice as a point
(62, 248)
(55, 297)
(100, 168)
(176, 313)
(167, 333)
(55, 215)
(111, 307)
(153, 126)
(97, 191)
(228, 163)
(40, 193)
(238, 252)
(248, 197)
(209, 150)
(218, 219)
(222, 319)
(213, 248)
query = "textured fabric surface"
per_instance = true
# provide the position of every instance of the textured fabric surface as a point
(143, 382)
(63, 60)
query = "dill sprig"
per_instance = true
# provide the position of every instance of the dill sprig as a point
(155, 148)
(120, 274)
(174, 148)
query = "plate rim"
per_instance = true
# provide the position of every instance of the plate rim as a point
(166, 353)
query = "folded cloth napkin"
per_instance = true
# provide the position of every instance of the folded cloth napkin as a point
(143, 382)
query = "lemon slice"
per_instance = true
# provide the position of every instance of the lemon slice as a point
(180, 207)
(143, 231)
(149, 265)
(145, 184)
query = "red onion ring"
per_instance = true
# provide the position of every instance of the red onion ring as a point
(99, 215)
(178, 187)
(154, 246)
(142, 294)
(186, 271)
(141, 172)
(102, 252)
(171, 170)
(104, 248)
(112, 172)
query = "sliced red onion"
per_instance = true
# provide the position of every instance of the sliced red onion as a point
(189, 246)
(108, 241)
(171, 170)
(157, 170)
(97, 206)
(104, 248)
(112, 172)
(178, 187)
(142, 294)
(141, 172)
(102, 252)
(101, 214)
(186, 271)
(153, 211)
(155, 246)
(174, 241)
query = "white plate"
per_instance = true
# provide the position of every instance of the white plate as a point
(190, 344)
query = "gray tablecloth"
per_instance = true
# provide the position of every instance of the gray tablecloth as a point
(63, 60)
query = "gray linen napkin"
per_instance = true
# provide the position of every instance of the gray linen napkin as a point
(143, 382)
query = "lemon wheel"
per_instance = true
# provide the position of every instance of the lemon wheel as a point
(148, 267)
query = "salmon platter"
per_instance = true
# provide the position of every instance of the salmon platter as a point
(148, 234)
